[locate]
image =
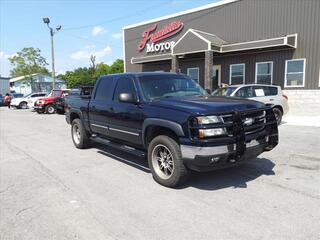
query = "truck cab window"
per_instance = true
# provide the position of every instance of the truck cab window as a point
(104, 89)
(124, 85)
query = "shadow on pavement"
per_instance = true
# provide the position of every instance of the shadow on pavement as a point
(236, 177)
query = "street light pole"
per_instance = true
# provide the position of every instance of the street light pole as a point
(52, 32)
(52, 60)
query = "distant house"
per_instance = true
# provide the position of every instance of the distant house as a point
(37, 82)
(4, 85)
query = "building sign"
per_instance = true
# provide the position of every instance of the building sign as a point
(150, 38)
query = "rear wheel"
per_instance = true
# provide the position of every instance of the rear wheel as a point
(23, 105)
(79, 134)
(50, 109)
(165, 162)
(278, 114)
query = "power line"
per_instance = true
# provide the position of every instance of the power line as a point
(86, 39)
(153, 7)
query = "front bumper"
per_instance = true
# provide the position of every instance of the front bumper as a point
(38, 107)
(217, 157)
(222, 152)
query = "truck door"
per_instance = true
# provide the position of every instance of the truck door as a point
(100, 106)
(127, 118)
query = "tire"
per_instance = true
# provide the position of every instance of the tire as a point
(23, 105)
(79, 135)
(160, 166)
(50, 109)
(39, 111)
(278, 114)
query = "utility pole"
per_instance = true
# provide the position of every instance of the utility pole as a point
(52, 32)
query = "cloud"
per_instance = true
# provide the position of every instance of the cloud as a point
(5, 56)
(86, 53)
(117, 35)
(5, 65)
(98, 30)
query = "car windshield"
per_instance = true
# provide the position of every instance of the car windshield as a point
(227, 91)
(55, 93)
(28, 95)
(165, 86)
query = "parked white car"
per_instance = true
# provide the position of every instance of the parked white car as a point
(27, 101)
(268, 94)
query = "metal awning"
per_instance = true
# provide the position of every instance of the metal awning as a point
(197, 41)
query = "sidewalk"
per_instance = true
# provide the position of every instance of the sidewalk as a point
(301, 120)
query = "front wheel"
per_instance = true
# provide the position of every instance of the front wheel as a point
(50, 109)
(165, 162)
(23, 105)
(39, 111)
(79, 134)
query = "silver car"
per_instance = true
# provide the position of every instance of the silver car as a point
(263, 93)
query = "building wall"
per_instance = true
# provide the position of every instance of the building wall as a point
(4, 86)
(250, 59)
(249, 20)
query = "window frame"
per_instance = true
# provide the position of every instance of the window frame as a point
(244, 72)
(303, 75)
(117, 82)
(256, 72)
(319, 77)
(192, 68)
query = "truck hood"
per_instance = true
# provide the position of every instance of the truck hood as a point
(207, 104)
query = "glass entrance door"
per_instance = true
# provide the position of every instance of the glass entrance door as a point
(216, 77)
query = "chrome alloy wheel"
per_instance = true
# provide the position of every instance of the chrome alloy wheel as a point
(51, 110)
(162, 161)
(76, 134)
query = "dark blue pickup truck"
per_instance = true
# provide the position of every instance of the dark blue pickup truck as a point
(174, 121)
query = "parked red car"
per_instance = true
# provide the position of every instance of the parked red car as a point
(47, 104)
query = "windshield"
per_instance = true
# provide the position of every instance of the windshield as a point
(224, 91)
(28, 95)
(55, 93)
(164, 86)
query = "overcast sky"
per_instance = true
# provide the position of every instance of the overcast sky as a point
(88, 27)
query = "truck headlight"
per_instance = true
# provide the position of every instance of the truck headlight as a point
(209, 119)
(212, 132)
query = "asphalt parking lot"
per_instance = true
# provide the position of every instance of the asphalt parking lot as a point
(51, 190)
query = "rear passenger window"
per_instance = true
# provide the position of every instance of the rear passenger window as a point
(270, 91)
(124, 85)
(245, 92)
(104, 89)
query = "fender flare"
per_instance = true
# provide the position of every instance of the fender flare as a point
(78, 112)
(175, 127)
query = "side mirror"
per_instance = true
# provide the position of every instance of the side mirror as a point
(128, 98)
(208, 91)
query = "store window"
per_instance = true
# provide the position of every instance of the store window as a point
(264, 72)
(295, 73)
(237, 73)
(193, 73)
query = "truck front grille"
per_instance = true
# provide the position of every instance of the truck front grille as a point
(252, 121)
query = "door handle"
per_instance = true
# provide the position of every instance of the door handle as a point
(111, 109)
(271, 99)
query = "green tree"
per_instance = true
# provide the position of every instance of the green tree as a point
(84, 76)
(116, 67)
(79, 76)
(28, 61)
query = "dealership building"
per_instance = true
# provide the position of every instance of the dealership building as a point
(274, 42)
